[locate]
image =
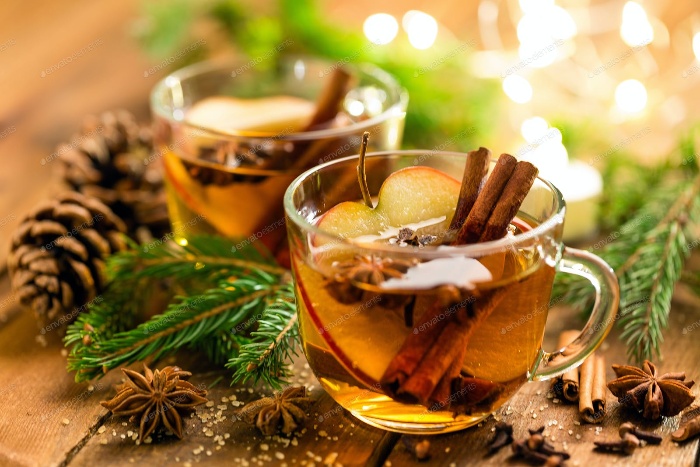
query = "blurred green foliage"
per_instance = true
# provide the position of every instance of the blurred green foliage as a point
(447, 109)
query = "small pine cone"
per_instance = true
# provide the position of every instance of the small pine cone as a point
(57, 256)
(112, 160)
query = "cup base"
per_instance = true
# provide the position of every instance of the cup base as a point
(420, 428)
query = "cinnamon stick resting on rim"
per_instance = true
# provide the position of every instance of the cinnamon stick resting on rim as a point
(430, 361)
(593, 389)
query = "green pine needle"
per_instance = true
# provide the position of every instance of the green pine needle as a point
(273, 343)
(648, 254)
(236, 301)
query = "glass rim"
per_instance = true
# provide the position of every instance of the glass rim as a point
(191, 71)
(474, 249)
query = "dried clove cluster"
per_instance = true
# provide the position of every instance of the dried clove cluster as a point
(534, 449)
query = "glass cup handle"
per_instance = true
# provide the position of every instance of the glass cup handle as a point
(607, 291)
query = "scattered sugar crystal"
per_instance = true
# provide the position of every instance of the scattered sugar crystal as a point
(102, 429)
(122, 436)
(210, 404)
(103, 441)
(578, 436)
(264, 447)
(148, 440)
(65, 421)
(323, 433)
(534, 415)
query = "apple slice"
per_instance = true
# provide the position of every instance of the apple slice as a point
(275, 114)
(420, 197)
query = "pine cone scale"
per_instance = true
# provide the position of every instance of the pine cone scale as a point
(57, 259)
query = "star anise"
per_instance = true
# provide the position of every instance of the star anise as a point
(371, 270)
(649, 393)
(284, 412)
(160, 396)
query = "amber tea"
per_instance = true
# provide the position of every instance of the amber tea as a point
(231, 143)
(422, 301)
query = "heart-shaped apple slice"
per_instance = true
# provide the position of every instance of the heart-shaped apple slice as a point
(421, 198)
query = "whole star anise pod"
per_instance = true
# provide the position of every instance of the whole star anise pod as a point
(371, 270)
(284, 412)
(649, 393)
(160, 396)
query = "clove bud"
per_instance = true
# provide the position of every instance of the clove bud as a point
(626, 445)
(648, 436)
(502, 437)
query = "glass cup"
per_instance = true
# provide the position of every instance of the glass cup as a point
(353, 331)
(232, 183)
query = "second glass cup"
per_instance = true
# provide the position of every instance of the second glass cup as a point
(230, 181)
(362, 338)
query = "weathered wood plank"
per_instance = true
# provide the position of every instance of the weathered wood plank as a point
(330, 434)
(39, 397)
(681, 352)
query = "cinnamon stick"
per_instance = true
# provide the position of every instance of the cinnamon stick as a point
(593, 386)
(472, 229)
(567, 385)
(415, 346)
(428, 364)
(441, 395)
(451, 343)
(511, 198)
(330, 98)
(475, 170)
(688, 430)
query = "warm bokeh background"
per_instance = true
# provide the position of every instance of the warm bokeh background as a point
(584, 50)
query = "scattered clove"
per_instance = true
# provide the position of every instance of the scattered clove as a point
(625, 446)
(648, 436)
(537, 450)
(420, 449)
(503, 437)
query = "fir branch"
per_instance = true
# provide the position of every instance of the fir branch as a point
(183, 324)
(201, 257)
(647, 253)
(273, 343)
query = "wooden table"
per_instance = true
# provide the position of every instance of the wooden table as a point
(47, 419)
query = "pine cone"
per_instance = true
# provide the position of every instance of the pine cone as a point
(58, 252)
(112, 160)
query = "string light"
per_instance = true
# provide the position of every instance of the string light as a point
(631, 96)
(518, 89)
(636, 30)
(380, 28)
(422, 29)
(540, 32)
(533, 129)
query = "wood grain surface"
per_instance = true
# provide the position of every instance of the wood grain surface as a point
(48, 420)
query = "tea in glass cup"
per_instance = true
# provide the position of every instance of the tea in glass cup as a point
(232, 137)
(423, 309)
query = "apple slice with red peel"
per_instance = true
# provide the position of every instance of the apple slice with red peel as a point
(419, 197)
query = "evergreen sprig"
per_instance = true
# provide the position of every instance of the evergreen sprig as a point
(648, 253)
(243, 297)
